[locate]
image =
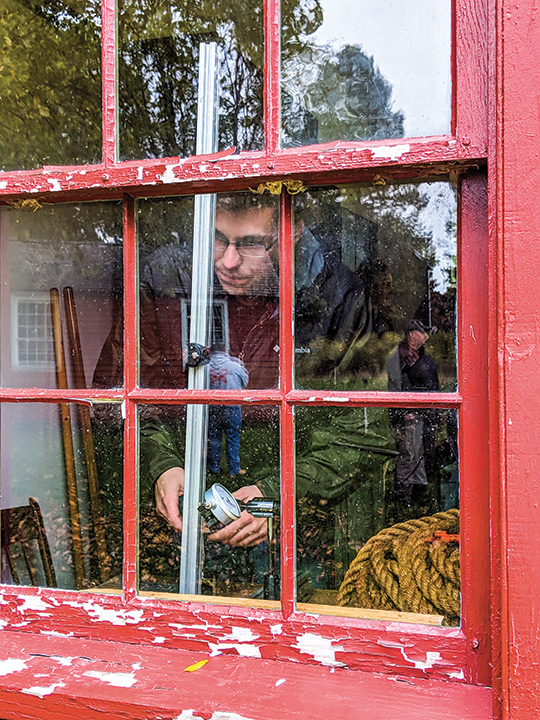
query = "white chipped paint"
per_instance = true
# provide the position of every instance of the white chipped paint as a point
(158, 640)
(115, 617)
(276, 629)
(188, 715)
(66, 661)
(41, 691)
(3, 184)
(320, 648)
(54, 183)
(336, 399)
(136, 666)
(460, 675)
(280, 681)
(241, 634)
(429, 662)
(215, 653)
(206, 626)
(116, 679)
(54, 633)
(33, 602)
(11, 665)
(243, 649)
(140, 171)
(390, 152)
(168, 176)
(203, 167)
(3, 624)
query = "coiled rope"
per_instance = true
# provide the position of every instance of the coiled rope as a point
(411, 567)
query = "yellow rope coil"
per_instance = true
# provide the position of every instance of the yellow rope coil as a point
(410, 567)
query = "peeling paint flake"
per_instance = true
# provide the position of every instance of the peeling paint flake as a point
(12, 665)
(429, 662)
(33, 602)
(54, 183)
(168, 176)
(243, 649)
(241, 635)
(276, 629)
(390, 152)
(320, 648)
(54, 633)
(3, 184)
(158, 640)
(115, 617)
(116, 679)
(41, 691)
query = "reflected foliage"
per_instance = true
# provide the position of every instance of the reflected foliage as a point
(50, 83)
(158, 73)
(329, 95)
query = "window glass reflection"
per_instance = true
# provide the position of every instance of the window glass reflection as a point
(51, 110)
(238, 528)
(363, 70)
(61, 271)
(159, 70)
(61, 482)
(378, 511)
(244, 312)
(375, 280)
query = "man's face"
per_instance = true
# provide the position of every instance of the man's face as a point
(237, 273)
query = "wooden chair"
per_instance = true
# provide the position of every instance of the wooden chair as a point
(23, 538)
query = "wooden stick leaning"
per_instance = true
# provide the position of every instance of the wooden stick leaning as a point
(79, 378)
(67, 438)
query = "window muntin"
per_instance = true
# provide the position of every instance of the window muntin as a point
(369, 261)
(77, 246)
(158, 76)
(359, 471)
(51, 111)
(68, 459)
(364, 70)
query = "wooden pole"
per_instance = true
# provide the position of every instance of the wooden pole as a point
(67, 437)
(79, 379)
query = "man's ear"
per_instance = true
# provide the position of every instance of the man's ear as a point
(299, 227)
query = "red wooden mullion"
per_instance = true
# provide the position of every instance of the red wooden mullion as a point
(286, 360)
(271, 74)
(108, 80)
(473, 294)
(130, 381)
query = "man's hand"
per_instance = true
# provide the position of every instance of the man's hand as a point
(169, 486)
(247, 530)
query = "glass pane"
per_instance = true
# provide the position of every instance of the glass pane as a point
(50, 83)
(240, 453)
(362, 70)
(376, 288)
(61, 482)
(245, 312)
(377, 511)
(61, 272)
(159, 71)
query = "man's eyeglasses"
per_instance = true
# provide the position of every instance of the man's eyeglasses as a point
(247, 246)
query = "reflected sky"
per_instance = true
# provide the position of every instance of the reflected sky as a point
(411, 45)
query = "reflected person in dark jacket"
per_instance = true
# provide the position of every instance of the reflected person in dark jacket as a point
(411, 369)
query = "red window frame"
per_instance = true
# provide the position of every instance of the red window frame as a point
(460, 653)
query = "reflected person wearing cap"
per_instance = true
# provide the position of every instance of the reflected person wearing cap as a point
(411, 369)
